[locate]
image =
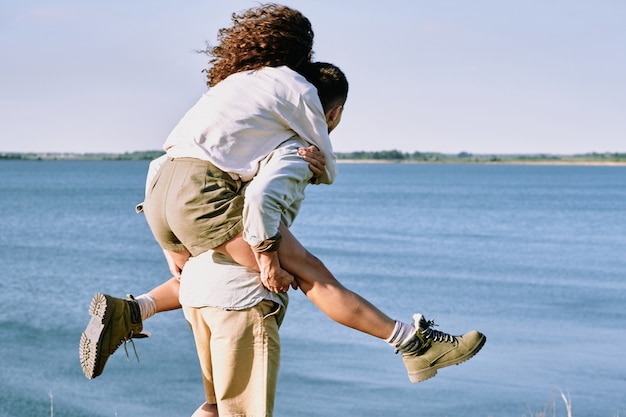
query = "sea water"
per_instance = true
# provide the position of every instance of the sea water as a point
(533, 256)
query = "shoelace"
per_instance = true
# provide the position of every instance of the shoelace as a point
(125, 341)
(414, 345)
(436, 335)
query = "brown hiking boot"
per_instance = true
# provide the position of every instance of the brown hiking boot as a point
(428, 349)
(113, 321)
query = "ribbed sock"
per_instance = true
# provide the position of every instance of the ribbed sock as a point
(401, 332)
(147, 306)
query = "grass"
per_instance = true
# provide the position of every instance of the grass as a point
(549, 411)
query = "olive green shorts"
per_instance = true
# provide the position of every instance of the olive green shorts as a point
(193, 205)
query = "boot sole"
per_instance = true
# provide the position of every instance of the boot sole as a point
(417, 377)
(91, 339)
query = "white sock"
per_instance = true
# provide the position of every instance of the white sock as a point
(147, 306)
(401, 332)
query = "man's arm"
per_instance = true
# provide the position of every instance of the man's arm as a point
(274, 195)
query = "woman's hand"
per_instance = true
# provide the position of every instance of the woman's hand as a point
(315, 158)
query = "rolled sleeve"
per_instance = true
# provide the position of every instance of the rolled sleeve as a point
(275, 195)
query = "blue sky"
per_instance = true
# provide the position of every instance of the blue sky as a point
(479, 76)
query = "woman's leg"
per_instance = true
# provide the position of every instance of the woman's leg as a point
(320, 286)
(424, 350)
(314, 279)
(332, 298)
(165, 296)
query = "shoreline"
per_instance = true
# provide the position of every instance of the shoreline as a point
(511, 162)
(387, 157)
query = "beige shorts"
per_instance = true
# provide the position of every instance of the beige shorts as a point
(239, 354)
(193, 205)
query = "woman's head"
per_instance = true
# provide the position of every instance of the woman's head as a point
(270, 35)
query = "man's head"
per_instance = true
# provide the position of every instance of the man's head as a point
(270, 35)
(332, 88)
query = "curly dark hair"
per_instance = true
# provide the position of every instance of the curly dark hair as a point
(270, 35)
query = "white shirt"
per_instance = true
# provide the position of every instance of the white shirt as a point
(244, 117)
(214, 280)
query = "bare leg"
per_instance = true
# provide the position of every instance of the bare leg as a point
(320, 286)
(315, 280)
(332, 298)
(166, 295)
(206, 410)
(176, 260)
(239, 250)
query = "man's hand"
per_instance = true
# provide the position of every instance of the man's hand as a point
(273, 277)
(315, 158)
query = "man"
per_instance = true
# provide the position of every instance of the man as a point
(234, 318)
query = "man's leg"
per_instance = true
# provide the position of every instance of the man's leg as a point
(202, 337)
(239, 356)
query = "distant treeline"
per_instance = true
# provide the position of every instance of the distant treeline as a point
(52, 156)
(382, 156)
(465, 157)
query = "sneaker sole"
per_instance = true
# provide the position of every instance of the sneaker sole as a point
(91, 338)
(417, 377)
